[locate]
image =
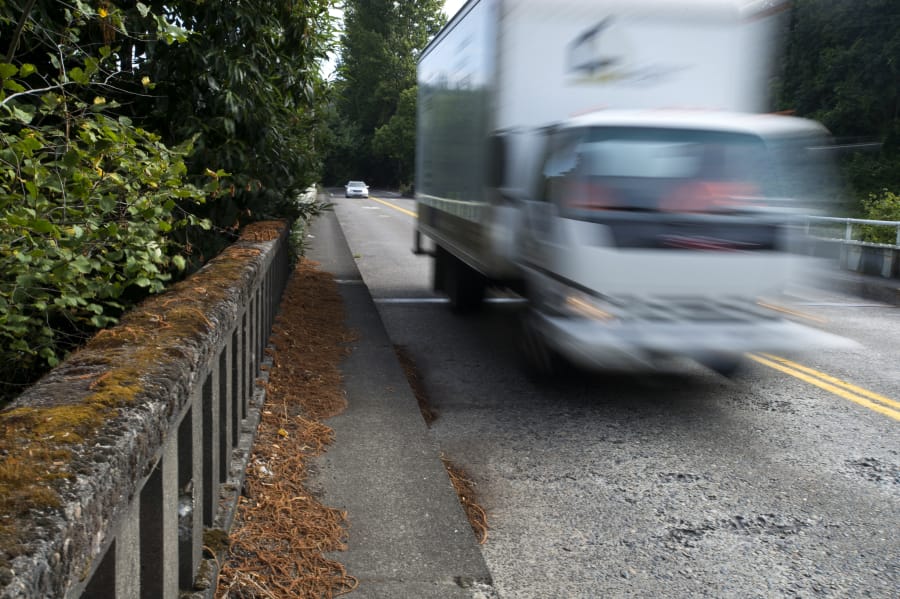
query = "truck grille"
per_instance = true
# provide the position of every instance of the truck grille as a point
(691, 309)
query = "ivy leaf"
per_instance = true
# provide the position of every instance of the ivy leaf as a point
(24, 114)
(8, 70)
(13, 86)
(81, 264)
(40, 225)
(100, 321)
(77, 75)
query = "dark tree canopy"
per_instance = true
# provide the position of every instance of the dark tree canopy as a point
(379, 48)
(842, 67)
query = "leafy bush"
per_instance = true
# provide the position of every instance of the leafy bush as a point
(100, 194)
(85, 232)
(88, 205)
(247, 84)
(881, 206)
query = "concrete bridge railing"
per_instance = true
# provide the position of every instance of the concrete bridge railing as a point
(120, 471)
(837, 239)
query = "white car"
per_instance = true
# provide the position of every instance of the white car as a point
(356, 189)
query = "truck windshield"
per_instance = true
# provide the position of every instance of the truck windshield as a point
(684, 189)
(672, 171)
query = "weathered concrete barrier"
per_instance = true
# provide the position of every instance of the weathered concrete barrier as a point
(120, 470)
(835, 239)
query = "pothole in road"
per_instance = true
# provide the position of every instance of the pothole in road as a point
(875, 470)
(764, 401)
(679, 477)
(766, 524)
(688, 534)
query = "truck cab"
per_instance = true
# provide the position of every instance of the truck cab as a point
(650, 234)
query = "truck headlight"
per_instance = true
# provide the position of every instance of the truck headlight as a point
(582, 305)
(554, 297)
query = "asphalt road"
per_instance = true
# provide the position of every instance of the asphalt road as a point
(779, 483)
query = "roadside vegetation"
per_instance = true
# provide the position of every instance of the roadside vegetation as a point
(842, 67)
(135, 140)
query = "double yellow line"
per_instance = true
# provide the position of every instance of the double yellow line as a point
(858, 395)
(394, 206)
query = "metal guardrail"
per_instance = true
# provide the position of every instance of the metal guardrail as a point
(848, 235)
(843, 240)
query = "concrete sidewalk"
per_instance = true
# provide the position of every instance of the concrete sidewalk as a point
(409, 536)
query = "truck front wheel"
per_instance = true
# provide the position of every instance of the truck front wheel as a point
(727, 364)
(542, 363)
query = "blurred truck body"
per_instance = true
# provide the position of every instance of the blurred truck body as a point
(612, 162)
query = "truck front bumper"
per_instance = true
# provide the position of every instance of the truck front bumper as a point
(603, 345)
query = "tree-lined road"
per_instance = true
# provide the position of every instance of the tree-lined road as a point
(782, 482)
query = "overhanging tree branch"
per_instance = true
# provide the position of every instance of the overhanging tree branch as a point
(17, 35)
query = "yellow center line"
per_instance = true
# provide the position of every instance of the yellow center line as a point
(796, 313)
(397, 208)
(836, 381)
(821, 380)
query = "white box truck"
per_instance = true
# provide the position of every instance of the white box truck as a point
(611, 160)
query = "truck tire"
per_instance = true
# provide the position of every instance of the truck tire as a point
(542, 363)
(727, 364)
(464, 286)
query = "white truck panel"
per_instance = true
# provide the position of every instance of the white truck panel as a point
(516, 65)
(567, 57)
(453, 78)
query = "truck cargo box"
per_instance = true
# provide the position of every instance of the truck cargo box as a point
(502, 69)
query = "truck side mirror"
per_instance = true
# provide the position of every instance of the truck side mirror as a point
(496, 160)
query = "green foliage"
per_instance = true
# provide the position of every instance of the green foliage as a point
(247, 84)
(373, 117)
(117, 121)
(86, 220)
(869, 173)
(881, 206)
(396, 140)
(311, 207)
(88, 200)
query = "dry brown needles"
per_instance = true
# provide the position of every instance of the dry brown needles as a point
(282, 532)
